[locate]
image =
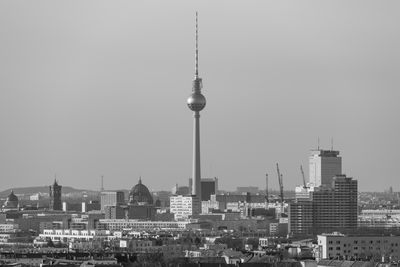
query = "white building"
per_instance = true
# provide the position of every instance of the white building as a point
(8, 228)
(35, 197)
(75, 235)
(324, 165)
(384, 219)
(358, 247)
(183, 207)
(123, 224)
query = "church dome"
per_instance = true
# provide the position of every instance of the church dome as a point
(140, 194)
(11, 201)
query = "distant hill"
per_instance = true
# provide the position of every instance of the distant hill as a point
(40, 189)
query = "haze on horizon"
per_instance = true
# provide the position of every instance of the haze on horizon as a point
(91, 88)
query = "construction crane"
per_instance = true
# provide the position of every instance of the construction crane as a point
(280, 180)
(304, 178)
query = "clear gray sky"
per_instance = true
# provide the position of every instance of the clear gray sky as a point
(91, 88)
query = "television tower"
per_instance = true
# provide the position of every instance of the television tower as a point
(196, 102)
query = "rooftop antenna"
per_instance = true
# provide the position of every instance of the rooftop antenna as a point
(318, 142)
(332, 143)
(102, 183)
(197, 49)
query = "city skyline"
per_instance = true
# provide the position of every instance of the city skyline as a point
(100, 90)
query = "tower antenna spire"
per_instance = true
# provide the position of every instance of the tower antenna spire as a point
(197, 49)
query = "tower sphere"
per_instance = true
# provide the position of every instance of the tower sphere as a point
(196, 101)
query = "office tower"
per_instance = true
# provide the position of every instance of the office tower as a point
(324, 164)
(327, 209)
(196, 102)
(111, 198)
(55, 196)
(209, 186)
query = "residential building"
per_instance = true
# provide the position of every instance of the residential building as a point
(183, 207)
(364, 247)
(118, 225)
(327, 209)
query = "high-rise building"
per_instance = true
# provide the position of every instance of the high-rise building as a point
(55, 196)
(111, 198)
(183, 207)
(327, 209)
(329, 201)
(324, 165)
(196, 102)
(209, 186)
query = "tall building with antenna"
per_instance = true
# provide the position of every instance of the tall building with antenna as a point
(55, 196)
(196, 102)
(324, 165)
(328, 202)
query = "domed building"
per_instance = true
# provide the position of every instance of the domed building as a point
(140, 205)
(11, 202)
(140, 195)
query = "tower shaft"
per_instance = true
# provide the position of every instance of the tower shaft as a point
(196, 156)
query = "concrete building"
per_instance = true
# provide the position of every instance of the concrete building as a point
(183, 207)
(209, 186)
(114, 212)
(337, 245)
(65, 236)
(379, 219)
(111, 198)
(118, 225)
(324, 165)
(92, 205)
(327, 209)
(55, 196)
(141, 212)
(247, 189)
